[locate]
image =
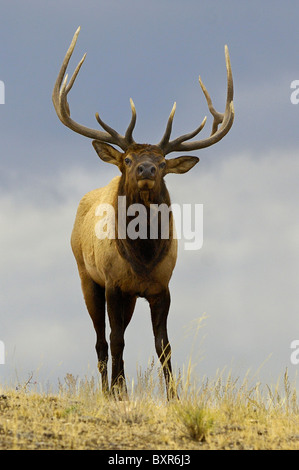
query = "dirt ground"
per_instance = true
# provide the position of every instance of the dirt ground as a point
(33, 421)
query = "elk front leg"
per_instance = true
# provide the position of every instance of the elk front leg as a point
(159, 305)
(120, 309)
(94, 296)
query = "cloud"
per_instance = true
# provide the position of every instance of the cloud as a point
(245, 276)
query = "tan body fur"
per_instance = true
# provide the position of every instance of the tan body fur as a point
(99, 258)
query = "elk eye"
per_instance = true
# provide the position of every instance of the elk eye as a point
(127, 161)
(162, 165)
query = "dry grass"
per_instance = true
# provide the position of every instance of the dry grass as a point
(214, 414)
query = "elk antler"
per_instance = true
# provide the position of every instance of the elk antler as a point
(59, 97)
(226, 120)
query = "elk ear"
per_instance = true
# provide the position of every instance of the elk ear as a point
(180, 164)
(106, 152)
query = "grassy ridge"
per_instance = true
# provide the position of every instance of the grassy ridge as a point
(222, 413)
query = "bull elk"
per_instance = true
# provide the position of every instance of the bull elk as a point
(118, 271)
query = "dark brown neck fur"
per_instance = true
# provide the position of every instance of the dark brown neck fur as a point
(144, 255)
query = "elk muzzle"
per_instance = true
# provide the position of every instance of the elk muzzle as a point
(146, 175)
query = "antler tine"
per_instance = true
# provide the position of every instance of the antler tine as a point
(219, 117)
(129, 131)
(225, 119)
(165, 139)
(74, 76)
(59, 97)
(166, 136)
(230, 83)
(178, 141)
(56, 90)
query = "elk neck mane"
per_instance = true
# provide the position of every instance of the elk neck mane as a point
(144, 255)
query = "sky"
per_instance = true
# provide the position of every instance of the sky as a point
(234, 301)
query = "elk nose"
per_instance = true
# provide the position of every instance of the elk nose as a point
(146, 170)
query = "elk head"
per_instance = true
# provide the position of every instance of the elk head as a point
(143, 168)
(146, 163)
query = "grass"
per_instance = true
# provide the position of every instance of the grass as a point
(218, 413)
